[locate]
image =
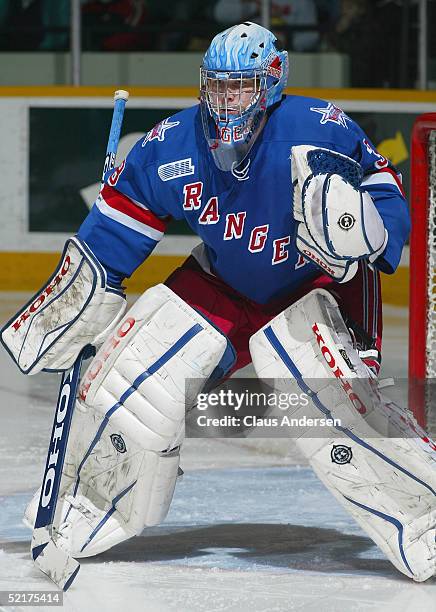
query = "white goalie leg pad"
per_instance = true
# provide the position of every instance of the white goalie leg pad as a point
(123, 453)
(75, 308)
(388, 484)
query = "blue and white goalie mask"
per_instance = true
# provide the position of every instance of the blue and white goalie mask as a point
(243, 73)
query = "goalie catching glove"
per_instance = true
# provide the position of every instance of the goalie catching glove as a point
(338, 223)
(76, 307)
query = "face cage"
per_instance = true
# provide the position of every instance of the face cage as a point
(214, 86)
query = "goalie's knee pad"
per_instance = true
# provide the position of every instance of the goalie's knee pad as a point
(123, 453)
(377, 462)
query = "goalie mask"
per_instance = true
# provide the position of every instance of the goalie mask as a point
(243, 73)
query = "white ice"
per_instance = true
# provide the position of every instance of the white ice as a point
(250, 527)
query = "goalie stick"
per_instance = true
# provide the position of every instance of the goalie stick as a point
(50, 559)
(58, 565)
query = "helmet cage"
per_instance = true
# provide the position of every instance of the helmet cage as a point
(232, 127)
(217, 86)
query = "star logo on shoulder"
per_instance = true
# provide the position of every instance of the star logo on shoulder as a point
(332, 113)
(158, 132)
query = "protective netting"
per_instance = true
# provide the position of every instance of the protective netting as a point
(431, 288)
(322, 161)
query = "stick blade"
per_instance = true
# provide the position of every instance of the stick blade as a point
(56, 564)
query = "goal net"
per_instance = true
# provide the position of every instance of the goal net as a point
(422, 301)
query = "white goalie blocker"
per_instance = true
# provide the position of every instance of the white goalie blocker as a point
(388, 484)
(76, 307)
(123, 453)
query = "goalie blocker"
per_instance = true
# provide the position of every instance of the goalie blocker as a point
(75, 308)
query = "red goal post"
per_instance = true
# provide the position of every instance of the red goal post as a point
(422, 299)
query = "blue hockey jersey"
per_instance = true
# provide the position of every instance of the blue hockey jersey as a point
(243, 217)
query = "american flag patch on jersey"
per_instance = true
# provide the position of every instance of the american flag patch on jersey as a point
(181, 167)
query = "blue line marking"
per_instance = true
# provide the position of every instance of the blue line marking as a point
(38, 550)
(70, 580)
(325, 219)
(362, 218)
(389, 519)
(108, 514)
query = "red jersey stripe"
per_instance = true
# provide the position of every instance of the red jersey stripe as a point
(117, 200)
(396, 177)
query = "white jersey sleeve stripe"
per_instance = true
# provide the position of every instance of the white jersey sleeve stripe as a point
(380, 178)
(127, 221)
